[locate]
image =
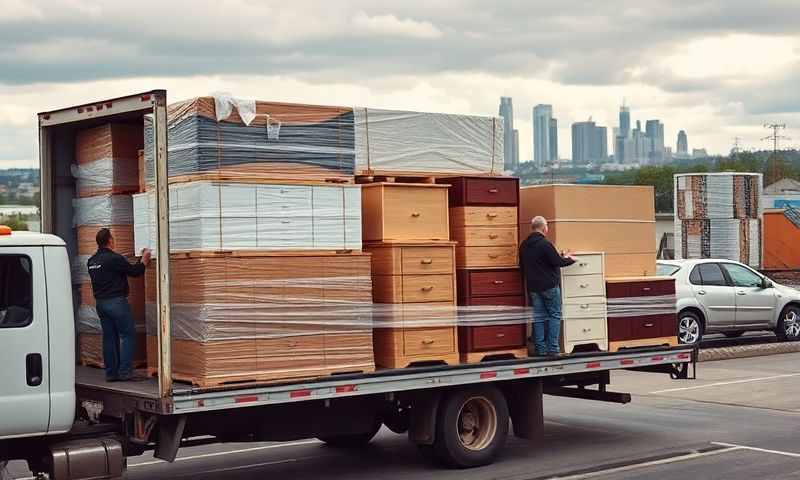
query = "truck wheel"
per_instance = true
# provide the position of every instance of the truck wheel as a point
(352, 440)
(788, 328)
(471, 427)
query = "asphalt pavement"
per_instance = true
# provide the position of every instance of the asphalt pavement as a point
(739, 420)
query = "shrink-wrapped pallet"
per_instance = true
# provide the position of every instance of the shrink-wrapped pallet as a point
(106, 159)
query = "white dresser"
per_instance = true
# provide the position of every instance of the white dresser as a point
(583, 297)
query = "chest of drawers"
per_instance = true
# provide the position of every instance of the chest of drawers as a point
(583, 299)
(641, 312)
(404, 211)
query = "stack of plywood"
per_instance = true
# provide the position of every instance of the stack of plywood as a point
(718, 215)
(106, 159)
(483, 220)
(616, 220)
(405, 228)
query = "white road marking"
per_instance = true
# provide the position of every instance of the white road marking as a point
(718, 384)
(229, 452)
(625, 468)
(756, 449)
(242, 467)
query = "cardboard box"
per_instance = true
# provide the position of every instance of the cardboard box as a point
(587, 202)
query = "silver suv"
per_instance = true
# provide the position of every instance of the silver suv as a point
(723, 296)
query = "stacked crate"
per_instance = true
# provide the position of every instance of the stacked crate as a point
(405, 228)
(106, 175)
(483, 220)
(641, 312)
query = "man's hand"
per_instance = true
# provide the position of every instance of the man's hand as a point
(146, 256)
(569, 254)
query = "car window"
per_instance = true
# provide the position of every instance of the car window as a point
(694, 277)
(16, 291)
(711, 274)
(666, 270)
(742, 276)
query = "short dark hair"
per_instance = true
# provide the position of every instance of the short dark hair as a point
(103, 237)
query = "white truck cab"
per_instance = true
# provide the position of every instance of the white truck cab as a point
(37, 339)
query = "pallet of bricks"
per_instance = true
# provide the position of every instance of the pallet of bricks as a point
(106, 174)
(611, 296)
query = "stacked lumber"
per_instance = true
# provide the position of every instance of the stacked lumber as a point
(718, 215)
(483, 220)
(616, 220)
(106, 159)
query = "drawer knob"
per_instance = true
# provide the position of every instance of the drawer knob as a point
(498, 282)
(587, 330)
(427, 341)
(583, 264)
(427, 288)
(415, 214)
(286, 221)
(426, 261)
(493, 190)
(492, 236)
(500, 335)
(648, 325)
(645, 289)
(491, 215)
(584, 306)
(584, 285)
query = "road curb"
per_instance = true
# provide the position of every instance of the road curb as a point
(745, 351)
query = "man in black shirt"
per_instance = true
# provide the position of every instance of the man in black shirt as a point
(540, 264)
(109, 272)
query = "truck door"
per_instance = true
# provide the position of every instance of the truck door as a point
(24, 382)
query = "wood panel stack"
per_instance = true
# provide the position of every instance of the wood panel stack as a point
(641, 312)
(616, 220)
(483, 220)
(583, 299)
(106, 173)
(405, 228)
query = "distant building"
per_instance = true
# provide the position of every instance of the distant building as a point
(624, 147)
(510, 153)
(516, 148)
(624, 121)
(654, 130)
(27, 190)
(553, 140)
(783, 193)
(682, 148)
(589, 143)
(542, 153)
(699, 153)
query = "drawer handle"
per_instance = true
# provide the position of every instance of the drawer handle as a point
(584, 306)
(493, 255)
(286, 221)
(583, 264)
(587, 330)
(415, 214)
(645, 289)
(492, 236)
(428, 341)
(426, 261)
(584, 285)
(500, 335)
(498, 282)
(493, 190)
(648, 325)
(427, 289)
(491, 215)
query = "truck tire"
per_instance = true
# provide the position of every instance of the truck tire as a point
(788, 327)
(471, 427)
(352, 440)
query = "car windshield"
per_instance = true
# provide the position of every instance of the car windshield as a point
(666, 269)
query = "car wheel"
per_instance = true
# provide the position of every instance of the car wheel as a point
(690, 328)
(788, 328)
(735, 334)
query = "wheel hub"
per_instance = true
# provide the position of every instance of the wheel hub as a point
(688, 330)
(791, 324)
(477, 423)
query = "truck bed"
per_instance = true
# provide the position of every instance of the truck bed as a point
(121, 396)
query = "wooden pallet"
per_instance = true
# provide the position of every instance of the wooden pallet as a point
(394, 179)
(477, 357)
(642, 342)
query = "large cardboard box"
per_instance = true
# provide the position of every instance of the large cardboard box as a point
(587, 202)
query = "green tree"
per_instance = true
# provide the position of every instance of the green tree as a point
(15, 222)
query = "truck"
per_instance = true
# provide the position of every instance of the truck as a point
(67, 422)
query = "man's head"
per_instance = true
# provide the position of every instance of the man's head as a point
(539, 224)
(104, 238)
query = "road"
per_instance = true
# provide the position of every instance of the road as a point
(740, 420)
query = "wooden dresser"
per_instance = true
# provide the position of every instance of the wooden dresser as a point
(583, 311)
(483, 216)
(404, 211)
(631, 321)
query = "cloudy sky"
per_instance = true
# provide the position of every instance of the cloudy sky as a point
(717, 69)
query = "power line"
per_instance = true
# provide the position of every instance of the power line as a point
(775, 136)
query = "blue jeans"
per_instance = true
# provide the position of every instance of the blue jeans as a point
(547, 320)
(119, 337)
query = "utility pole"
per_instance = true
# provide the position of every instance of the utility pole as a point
(775, 136)
(735, 150)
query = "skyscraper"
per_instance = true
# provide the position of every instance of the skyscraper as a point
(655, 135)
(589, 143)
(682, 149)
(542, 114)
(516, 147)
(553, 140)
(624, 121)
(510, 154)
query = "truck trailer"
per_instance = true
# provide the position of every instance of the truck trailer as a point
(67, 422)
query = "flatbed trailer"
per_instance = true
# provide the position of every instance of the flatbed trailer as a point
(458, 415)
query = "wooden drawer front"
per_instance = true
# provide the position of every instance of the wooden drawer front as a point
(646, 289)
(586, 264)
(617, 290)
(583, 286)
(646, 326)
(584, 329)
(495, 282)
(584, 307)
(428, 288)
(501, 300)
(619, 328)
(495, 337)
(477, 216)
(408, 212)
(469, 257)
(419, 341)
(491, 191)
(485, 236)
(416, 260)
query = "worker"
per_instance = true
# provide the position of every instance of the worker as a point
(109, 272)
(540, 262)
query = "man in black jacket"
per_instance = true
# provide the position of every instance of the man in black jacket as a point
(540, 263)
(109, 272)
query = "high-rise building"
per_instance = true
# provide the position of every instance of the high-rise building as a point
(510, 154)
(553, 140)
(542, 115)
(516, 147)
(682, 149)
(589, 143)
(655, 135)
(624, 121)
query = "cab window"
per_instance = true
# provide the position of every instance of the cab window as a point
(708, 274)
(742, 276)
(16, 291)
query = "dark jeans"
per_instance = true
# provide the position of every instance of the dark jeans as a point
(119, 337)
(547, 320)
